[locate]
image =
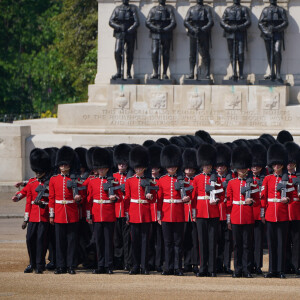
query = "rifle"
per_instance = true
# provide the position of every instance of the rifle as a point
(210, 188)
(41, 190)
(282, 185)
(234, 59)
(123, 54)
(225, 183)
(72, 184)
(246, 190)
(109, 185)
(180, 185)
(296, 181)
(146, 183)
(159, 57)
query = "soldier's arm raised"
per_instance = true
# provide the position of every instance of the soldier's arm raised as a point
(136, 23)
(172, 24)
(247, 22)
(210, 22)
(187, 21)
(285, 22)
(262, 24)
(149, 21)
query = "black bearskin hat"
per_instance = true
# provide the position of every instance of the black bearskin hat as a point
(163, 141)
(154, 154)
(277, 155)
(206, 155)
(189, 159)
(178, 141)
(284, 136)
(40, 161)
(259, 155)
(205, 136)
(293, 151)
(121, 154)
(241, 158)
(88, 157)
(65, 156)
(139, 157)
(81, 153)
(171, 156)
(52, 154)
(148, 143)
(101, 158)
(223, 155)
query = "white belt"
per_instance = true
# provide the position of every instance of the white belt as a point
(296, 199)
(64, 201)
(173, 201)
(238, 202)
(43, 202)
(274, 200)
(139, 201)
(102, 201)
(203, 198)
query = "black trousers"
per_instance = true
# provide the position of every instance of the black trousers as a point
(224, 246)
(140, 243)
(173, 240)
(156, 246)
(190, 244)
(52, 245)
(242, 240)
(66, 244)
(122, 244)
(258, 244)
(207, 235)
(293, 246)
(104, 234)
(277, 238)
(36, 240)
(84, 237)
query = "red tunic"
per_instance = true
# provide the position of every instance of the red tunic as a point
(33, 212)
(135, 203)
(240, 213)
(23, 193)
(294, 204)
(188, 210)
(98, 204)
(222, 204)
(119, 206)
(169, 205)
(270, 197)
(201, 198)
(61, 201)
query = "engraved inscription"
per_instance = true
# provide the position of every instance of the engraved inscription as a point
(196, 101)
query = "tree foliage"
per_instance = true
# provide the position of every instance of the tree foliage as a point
(48, 53)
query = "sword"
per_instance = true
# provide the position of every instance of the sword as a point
(159, 58)
(123, 55)
(234, 59)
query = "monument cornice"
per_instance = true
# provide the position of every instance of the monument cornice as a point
(280, 2)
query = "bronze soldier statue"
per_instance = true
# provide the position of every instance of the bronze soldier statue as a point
(124, 20)
(235, 21)
(199, 22)
(161, 22)
(272, 23)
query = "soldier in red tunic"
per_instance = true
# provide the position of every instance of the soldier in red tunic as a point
(37, 211)
(241, 196)
(170, 210)
(259, 171)
(224, 243)
(276, 193)
(293, 247)
(101, 199)
(156, 251)
(122, 239)
(64, 212)
(190, 239)
(208, 191)
(137, 208)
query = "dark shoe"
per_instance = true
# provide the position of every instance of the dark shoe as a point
(129, 76)
(270, 275)
(228, 271)
(191, 76)
(60, 271)
(116, 76)
(50, 266)
(159, 269)
(99, 271)
(154, 76)
(247, 275)
(241, 77)
(282, 275)
(134, 271)
(297, 272)
(178, 272)
(213, 274)
(166, 273)
(187, 269)
(39, 271)
(71, 271)
(195, 270)
(109, 271)
(29, 269)
(165, 76)
(258, 271)
(236, 275)
(127, 268)
(201, 274)
(145, 272)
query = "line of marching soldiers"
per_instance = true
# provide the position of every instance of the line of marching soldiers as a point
(187, 200)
